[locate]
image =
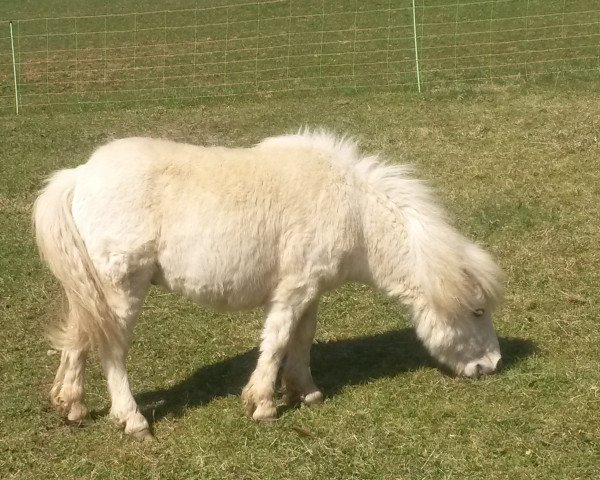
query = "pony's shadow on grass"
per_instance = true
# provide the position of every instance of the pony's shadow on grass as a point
(335, 365)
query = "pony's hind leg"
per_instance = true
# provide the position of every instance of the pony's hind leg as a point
(124, 411)
(67, 393)
(297, 381)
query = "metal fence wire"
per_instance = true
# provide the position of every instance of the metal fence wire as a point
(292, 45)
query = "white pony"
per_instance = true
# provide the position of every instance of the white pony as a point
(277, 225)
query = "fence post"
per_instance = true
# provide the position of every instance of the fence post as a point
(416, 48)
(14, 64)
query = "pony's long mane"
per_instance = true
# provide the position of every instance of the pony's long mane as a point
(452, 272)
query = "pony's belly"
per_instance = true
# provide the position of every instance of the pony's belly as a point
(225, 297)
(235, 292)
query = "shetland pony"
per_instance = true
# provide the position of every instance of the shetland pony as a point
(275, 225)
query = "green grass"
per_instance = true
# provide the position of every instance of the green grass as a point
(81, 55)
(519, 172)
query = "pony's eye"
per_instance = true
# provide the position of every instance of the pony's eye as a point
(479, 312)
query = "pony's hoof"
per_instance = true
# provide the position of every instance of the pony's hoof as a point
(265, 412)
(143, 435)
(77, 413)
(313, 398)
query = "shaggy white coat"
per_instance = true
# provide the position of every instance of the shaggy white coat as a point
(276, 225)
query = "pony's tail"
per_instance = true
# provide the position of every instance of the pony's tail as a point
(89, 320)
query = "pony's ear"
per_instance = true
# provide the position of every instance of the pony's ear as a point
(478, 298)
(477, 290)
(474, 286)
(484, 278)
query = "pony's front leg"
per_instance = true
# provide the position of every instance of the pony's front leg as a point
(298, 384)
(258, 393)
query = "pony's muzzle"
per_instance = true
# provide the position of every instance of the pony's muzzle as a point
(484, 366)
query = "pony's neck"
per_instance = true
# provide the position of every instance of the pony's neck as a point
(386, 247)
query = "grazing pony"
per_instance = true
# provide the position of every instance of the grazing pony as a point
(277, 225)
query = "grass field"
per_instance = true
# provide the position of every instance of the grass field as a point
(519, 171)
(517, 166)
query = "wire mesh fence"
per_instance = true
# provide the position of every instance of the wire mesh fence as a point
(274, 46)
